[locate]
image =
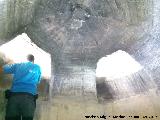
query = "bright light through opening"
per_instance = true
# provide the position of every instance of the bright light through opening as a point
(18, 48)
(117, 65)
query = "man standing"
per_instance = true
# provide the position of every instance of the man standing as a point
(22, 99)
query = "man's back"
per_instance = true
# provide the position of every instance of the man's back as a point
(21, 102)
(26, 76)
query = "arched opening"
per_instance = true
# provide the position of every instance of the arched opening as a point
(119, 75)
(16, 51)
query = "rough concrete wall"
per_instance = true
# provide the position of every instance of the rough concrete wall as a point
(3, 14)
(76, 81)
(15, 14)
(131, 11)
(146, 51)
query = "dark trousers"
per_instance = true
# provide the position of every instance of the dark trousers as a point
(20, 107)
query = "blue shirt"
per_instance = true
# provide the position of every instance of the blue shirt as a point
(26, 76)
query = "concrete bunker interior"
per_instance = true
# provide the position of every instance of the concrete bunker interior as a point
(77, 34)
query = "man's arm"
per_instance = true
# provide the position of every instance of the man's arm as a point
(7, 66)
(3, 61)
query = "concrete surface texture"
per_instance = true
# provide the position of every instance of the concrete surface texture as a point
(77, 34)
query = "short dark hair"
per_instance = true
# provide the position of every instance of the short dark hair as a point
(30, 58)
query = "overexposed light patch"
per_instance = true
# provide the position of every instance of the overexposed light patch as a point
(18, 48)
(116, 65)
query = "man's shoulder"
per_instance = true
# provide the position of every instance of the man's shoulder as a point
(36, 65)
(20, 64)
(28, 64)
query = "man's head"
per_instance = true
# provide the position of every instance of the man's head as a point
(30, 58)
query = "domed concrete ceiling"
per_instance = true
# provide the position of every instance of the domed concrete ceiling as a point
(89, 30)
